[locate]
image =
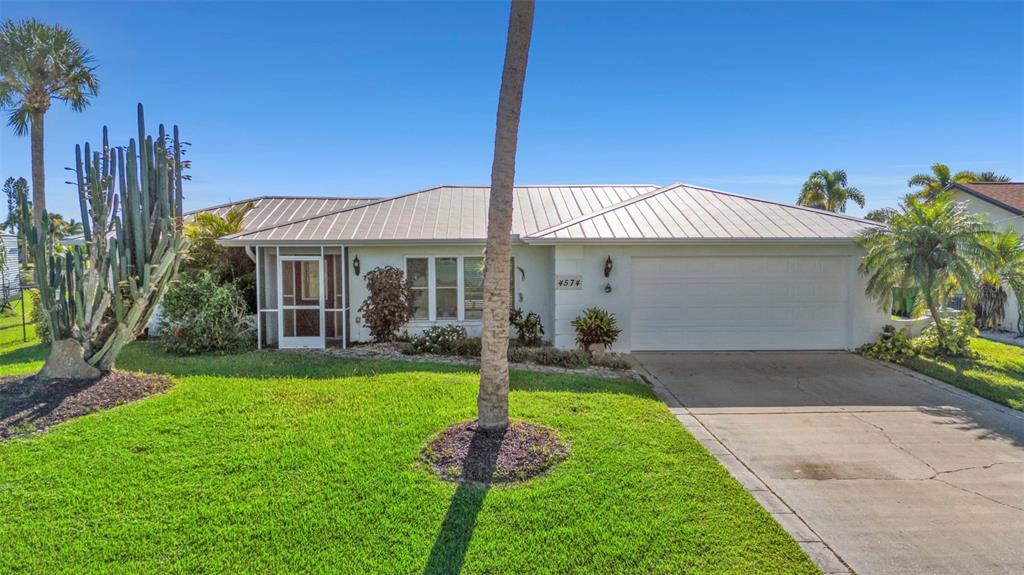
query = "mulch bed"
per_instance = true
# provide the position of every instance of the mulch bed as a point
(28, 405)
(466, 454)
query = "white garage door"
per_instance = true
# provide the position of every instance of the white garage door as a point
(738, 303)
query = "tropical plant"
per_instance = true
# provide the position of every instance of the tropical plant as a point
(201, 314)
(931, 185)
(829, 191)
(98, 297)
(892, 346)
(492, 400)
(956, 342)
(228, 264)
(596, 326)
(13, 189)
(926, 246)
(390, 303)
(529, 329)
(881, 215)
(439, 339)
(990, 176)
(1003, 269)
(40, 63)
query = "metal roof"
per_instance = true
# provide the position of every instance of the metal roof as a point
(679, 212)
(685, 212)
(444, 213)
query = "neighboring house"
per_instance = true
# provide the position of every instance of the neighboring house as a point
(682, 267)
(10, 275)
(1003, 203)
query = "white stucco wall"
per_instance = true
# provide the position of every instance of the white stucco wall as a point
(533, 293)
(1000, 219)
(866, 317)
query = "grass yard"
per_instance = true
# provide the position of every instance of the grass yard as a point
(278, 462)
(18, 356)
(997, 375)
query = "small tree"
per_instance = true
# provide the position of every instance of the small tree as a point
(390, 304)
(927, 245)
(98, 297)
(227, 264)
(828, 190)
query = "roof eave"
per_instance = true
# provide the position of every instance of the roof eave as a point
(976, 194)
(691, 241)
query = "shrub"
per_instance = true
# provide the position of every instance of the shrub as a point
(529, 329)
(390, 304)
(891, 346)
(956, 343)
(596, 326)
(200, 315)
(610, 361)
(572, 359)
(38, 317)
(467, 347)
(439, 339)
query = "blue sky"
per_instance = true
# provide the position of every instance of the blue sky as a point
(378, 99)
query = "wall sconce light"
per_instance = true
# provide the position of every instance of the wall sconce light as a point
(607, 288)
(608, 267)
(355, 265)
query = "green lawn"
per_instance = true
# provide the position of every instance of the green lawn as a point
(274, 462)
(998, 374)
(17, 355)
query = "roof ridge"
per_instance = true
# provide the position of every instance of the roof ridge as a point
(602, 211)
(331, 213)
(554, 186)
(785, 205)
(993, 183)
(643, 197)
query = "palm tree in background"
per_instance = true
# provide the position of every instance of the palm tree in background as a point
(492, 401)
(829, 191)
(40, 63)
(990, 177)
(927, 245)
(941, 178)
(1003, 270)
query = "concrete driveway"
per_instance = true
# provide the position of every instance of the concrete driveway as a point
(871, 467)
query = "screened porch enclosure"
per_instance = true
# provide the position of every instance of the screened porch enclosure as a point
(301, 296)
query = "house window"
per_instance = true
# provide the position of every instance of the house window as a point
(447, 288)
(418, 271)
(450, 288)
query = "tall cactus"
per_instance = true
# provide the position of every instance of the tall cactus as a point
(98, 297)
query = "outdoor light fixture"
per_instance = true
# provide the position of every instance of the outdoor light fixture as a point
(608, 268)
(607, 288)
(355, 265)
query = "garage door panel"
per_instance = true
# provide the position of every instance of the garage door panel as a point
(701, 303)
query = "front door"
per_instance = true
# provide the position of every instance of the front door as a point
(301, 287)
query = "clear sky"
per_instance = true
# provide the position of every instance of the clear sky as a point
(377, 99)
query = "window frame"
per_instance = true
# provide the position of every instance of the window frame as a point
(460, 286)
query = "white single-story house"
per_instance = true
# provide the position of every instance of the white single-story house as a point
(1003, 204)
(682, 267)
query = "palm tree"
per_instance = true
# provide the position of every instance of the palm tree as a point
(926, 246)
(492, 401)
(941, 178)
(40, 63)
(203, 251)
(828, 191)
(990, 177)
(1004, 268)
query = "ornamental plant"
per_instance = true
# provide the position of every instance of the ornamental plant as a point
(390, 304)
(529, 329)
(596, 326)
(200, 314)
(100, 296)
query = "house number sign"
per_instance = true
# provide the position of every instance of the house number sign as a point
(569, 282)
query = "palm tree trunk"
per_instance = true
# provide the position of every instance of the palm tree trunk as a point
(930, 302)
(492, 402)
(38, 173)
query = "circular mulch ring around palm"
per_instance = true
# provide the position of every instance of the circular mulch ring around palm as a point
(467, 454)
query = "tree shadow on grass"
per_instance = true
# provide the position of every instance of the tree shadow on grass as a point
(148, 357)
(449, 551)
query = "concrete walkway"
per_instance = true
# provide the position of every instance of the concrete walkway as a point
(869, 466)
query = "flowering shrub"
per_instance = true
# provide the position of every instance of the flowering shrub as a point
(440, 339)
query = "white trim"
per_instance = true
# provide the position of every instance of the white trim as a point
(289, 342)
(259, 302)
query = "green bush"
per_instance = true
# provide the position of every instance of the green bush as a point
(439, 339)
(892, 346)
(529, 329)
(596, 326)
(38, 317)
(200, 315)
(956, 343)
(390, 303)
(572, 359)
(610, 361)
(467, 347)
